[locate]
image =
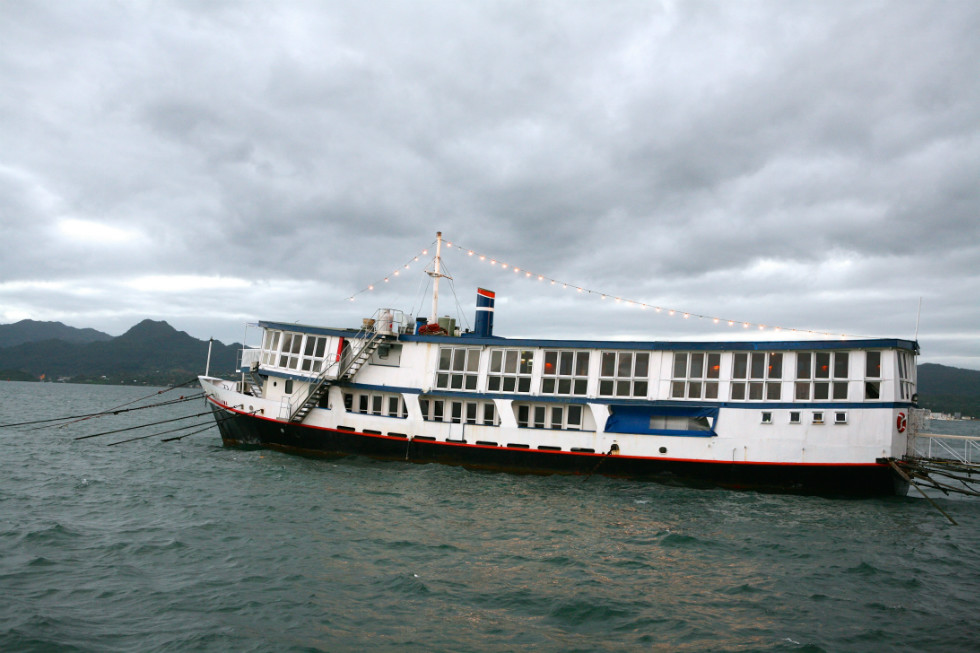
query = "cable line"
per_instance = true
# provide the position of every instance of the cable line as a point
(140, 426)
(103, 413)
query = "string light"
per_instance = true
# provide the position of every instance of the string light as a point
(619, 300)
(394, 273)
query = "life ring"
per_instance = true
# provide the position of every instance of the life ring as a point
(901, 422)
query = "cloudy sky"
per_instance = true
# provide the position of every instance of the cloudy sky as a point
(809, 165)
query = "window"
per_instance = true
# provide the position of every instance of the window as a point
(821, 375)
(289, 387)
(293, 351)
(375, 403)
(270, 347)
(840, 417)
(624, 374)
(695, 376)
(756, 376)
(794, 417)
(510, 370)
(872, 364)
(313, 351)
(458, 411)
(458, 368)
(906, 374)
(818, 417)
(565, 373)
(292, 344)
(766, 417)
(548, 416)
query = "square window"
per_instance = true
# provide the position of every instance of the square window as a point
(773, 390)
(872, 365)
(803, 366)
(821, 391)
(488, 414)
(694, 390)
(794, 417)
(872, 390)
(741, 366)
(818, 418)
(803, 391)
(840, 417)
(766, 417)
(840, 390)
(738, 391)
(710, 390)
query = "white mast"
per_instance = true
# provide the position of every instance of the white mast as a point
(435, 279)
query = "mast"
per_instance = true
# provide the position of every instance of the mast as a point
(435, 279)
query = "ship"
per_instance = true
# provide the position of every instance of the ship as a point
(808, 416)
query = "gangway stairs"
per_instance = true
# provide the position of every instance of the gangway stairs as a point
(320, 385)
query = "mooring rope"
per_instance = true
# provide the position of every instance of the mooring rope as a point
(141, 426)
(130, 403)
(104, 413)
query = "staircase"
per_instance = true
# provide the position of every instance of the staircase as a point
(372, 340)
(254, 383)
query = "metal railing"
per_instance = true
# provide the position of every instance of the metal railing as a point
(938, 446)
(249, 357)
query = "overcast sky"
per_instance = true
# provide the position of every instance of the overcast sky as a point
(811, 165)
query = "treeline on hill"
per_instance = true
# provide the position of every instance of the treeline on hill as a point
(949, 389)
(150, 353)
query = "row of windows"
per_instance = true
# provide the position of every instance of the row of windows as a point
(375, 403)
(529, 415)
(293, 351)
(484, 413)
(816, 417)
(756, 376)
(549, 416)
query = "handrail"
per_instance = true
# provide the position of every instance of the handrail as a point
(967, 453)
(367, 337)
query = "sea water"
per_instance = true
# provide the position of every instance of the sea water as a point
(188, 545)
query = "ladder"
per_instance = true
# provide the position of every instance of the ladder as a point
(350, 367)
(254, 382)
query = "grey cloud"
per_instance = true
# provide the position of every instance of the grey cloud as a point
(664, 152)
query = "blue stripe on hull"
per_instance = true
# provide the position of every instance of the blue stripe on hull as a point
(835, 480)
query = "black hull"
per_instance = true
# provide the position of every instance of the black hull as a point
(242, 429)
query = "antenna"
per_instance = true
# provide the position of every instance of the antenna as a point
(917, 314)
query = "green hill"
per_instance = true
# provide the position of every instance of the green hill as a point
(151, 352)
(949, 389)
(26, 331)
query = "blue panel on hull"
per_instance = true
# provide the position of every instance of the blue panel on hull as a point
(642, 419)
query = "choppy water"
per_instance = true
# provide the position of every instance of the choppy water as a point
(151, 546)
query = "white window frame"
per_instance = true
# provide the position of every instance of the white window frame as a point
(633, 381)
(762, 377)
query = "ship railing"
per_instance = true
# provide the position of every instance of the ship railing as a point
(363, 346)
(389, 321)
(940, 446)
(249, 357)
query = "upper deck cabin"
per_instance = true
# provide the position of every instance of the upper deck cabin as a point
(760, 372)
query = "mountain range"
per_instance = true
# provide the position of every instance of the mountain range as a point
(151, 353)
(155, 353)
